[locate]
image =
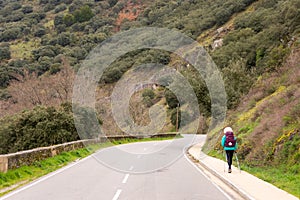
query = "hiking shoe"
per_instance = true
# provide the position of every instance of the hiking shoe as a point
(229, 170)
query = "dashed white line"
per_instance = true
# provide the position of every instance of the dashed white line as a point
(145, 149)
(125, 178)
(131, 168)
(117, 194)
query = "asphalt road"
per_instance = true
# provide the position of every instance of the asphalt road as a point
(138, 171)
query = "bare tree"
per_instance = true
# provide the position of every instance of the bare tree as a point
(30, 90)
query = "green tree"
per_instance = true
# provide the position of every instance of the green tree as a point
(58, 20)
(148, 93)
(9, 34)
(4, 52)
(69, 19)
(64, 39)
(172, 100)
(85, 13)
(40, 32)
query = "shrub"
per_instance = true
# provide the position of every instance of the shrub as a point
(60, 8)
(64, 39)
(36, 15)
(58, 20)
(111, 75)
(4, 76)
(49, 51)
(83, 14)
(4, 52)
(48, 7)
(9, 34)
(148, 101)
(16, 6)
(40, 32)
(148, 93)
(171, 99)
(41, 126)
(78, 53)
(15, 17)
(69, 19)
(27, 9)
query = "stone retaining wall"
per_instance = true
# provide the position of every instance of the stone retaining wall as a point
(15, 160)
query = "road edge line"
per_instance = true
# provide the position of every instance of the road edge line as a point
(220, 189)
(241, 192)
(43, 178)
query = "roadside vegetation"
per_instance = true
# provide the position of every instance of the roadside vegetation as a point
(254, 43)
(17, 177)
(267, 126)
(282, 176)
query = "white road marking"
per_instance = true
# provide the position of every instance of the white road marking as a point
(131, 168)
(125, 178)
(117, 194)
(222, 191)
(145, 149)
(44, 178)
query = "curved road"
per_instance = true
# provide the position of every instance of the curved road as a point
(139, 171)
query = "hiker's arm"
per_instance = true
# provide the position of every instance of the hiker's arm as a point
(223, 141)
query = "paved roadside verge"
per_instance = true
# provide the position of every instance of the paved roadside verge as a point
(247, 185)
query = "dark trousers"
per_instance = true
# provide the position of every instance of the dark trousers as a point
(229, 155)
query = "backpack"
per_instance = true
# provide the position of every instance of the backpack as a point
(230, 141)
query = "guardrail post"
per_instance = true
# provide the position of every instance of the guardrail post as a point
(3, 164)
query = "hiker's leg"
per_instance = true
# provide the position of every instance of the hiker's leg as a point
(229, 157)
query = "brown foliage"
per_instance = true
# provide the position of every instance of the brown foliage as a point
(30, 90)
(130, 12)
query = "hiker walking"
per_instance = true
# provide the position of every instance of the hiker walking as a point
(230, 145)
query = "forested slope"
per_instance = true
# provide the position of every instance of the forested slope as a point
(43, 43)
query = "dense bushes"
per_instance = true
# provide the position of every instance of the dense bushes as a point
(171, 99)
(9, 34)
(4, 52)
(43, 126)
(83, 14)
(39, 127)
(148, 96)
(193, 17)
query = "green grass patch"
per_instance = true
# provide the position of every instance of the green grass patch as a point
(284, 177)
(17, 177)
(216, 154)
(125, 141)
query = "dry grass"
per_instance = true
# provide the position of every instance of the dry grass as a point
(263, 120)
(22, 50)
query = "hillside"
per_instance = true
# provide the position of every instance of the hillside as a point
(267, 125)
(254, 43)
(254, 36)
